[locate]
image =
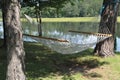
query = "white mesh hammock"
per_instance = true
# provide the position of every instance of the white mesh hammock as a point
(72, 42)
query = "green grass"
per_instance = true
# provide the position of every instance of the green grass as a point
(44, 64)
(73, 19)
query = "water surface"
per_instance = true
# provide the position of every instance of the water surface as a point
(61, 30)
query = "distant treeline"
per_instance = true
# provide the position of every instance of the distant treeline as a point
(80, 8)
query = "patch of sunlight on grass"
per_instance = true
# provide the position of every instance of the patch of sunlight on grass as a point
(118, 19)
(79, 76)
(73, 19)
(62, 77)
(113, 60)
(70, 19)
(114, 64)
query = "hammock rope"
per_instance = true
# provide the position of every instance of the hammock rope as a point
(53, 39)
(97, 34)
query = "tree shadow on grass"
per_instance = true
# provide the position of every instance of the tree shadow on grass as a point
(42, 62)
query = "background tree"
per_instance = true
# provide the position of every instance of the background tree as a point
(69, 8)
(15, 50)
(56, 4)
(38, 5)
(108, 22)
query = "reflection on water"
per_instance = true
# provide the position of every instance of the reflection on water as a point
(1, 30)
(118, 46)
(60, 30)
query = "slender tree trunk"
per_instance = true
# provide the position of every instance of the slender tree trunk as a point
(15, 50)
(38, 17)
(39, 24)
(107, 25)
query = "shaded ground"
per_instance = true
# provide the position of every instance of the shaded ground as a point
(47, 62)
(44, 64)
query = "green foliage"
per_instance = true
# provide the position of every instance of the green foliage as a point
(39, 5)
(67, 8)
(83, 8)
(49, 12)
(28, 10)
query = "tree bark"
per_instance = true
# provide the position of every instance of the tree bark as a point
(15, 50)
(107, 25)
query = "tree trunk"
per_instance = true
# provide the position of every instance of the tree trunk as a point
(107, 25)
(38, 17)
(39, 24)
(15, 50)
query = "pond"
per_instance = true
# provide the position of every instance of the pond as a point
(60, 29)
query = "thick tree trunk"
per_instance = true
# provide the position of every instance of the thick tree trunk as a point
(107, 25)
(15, 50)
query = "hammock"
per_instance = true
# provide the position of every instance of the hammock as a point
(72, 42)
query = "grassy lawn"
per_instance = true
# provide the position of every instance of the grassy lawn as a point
(44, 64)
(73, 19)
